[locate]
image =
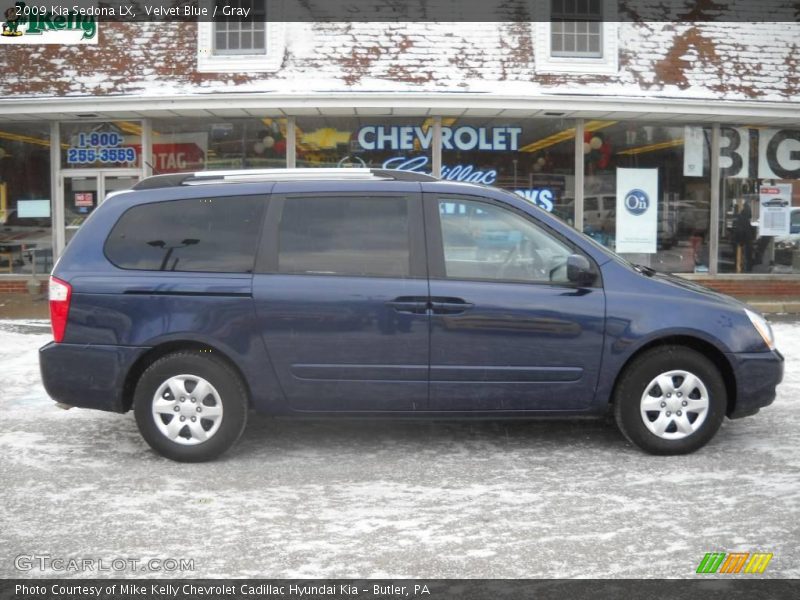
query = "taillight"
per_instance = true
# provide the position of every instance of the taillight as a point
(60, 294)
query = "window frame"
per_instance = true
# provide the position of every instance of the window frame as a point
(268, 61)
(240, 51)
(267, 258)
(264, 199)
(606, 64)
(587, 18)
(435, 244)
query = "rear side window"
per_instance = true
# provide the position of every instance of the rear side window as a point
(361, 236)
(217, 235)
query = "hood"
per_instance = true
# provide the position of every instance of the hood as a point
(674, 281)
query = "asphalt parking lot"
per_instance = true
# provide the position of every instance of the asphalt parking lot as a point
(393, 498)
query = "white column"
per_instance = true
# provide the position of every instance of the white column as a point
(291, 143)
(713, 221)
(579, 164)
(56, 191)
(147, 148)
(436, 148)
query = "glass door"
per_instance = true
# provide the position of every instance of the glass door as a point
(86, 190)
(81, 197)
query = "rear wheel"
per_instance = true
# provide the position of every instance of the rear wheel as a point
(190, 406)
(670, 400)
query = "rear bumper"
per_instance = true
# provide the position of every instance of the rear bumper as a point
(757, 376)
(87, 376)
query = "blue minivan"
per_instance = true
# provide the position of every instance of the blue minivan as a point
(194, 298)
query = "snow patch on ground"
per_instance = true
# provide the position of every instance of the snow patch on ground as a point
(393, 499)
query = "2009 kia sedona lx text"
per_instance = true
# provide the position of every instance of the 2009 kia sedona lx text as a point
(193, 298)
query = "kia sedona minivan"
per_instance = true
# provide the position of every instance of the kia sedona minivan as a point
(194, 298)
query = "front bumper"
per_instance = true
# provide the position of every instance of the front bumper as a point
(87, 376)
(757, 375)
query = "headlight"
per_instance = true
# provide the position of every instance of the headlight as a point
(763, 328)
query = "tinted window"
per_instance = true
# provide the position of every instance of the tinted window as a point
(345, 236)
(483, 241)
(216, 235)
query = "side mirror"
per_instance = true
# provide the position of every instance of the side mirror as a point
(579, 270)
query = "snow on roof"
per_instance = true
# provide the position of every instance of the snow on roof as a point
(714, 60)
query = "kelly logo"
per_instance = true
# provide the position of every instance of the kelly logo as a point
(12, 23)
(36, 25)
(734, 562)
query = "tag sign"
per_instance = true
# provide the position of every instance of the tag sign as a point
(637, 211)
(693, 143)
(775, 209)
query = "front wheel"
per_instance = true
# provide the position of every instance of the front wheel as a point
(190, 406)
(670, 400)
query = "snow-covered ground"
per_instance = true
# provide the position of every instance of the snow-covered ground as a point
(392, 499)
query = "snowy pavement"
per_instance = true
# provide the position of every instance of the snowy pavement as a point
(392, 499)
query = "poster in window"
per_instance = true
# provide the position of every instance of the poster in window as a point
(637, 211)
(693, 143)
(84, 199)
(775, 205)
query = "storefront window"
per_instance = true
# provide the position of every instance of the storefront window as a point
(534, 158)
(185, 145)
(25, 206)
(759, 227)
(660, 177)
(105, 145)
(390, 143)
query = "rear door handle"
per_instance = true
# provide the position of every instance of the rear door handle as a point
(450, 306)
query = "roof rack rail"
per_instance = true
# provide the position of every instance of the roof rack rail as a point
(256, 175)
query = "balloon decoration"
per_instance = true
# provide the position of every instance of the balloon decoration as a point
(597, 151)
(539, 164)
(271, 141)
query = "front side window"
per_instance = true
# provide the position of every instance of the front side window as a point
(356, 236)
(217, 235)
(577, 28)
(484, 241)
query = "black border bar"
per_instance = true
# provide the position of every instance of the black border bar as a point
(393, 11)
(705, 587)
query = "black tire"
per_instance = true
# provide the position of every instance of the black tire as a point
(227, 386)
(636, 379)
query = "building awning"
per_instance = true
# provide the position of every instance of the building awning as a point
(378, 104)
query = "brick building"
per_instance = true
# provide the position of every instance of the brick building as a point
(550, 108)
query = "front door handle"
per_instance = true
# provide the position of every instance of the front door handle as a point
(416, 305)
(449, 306)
